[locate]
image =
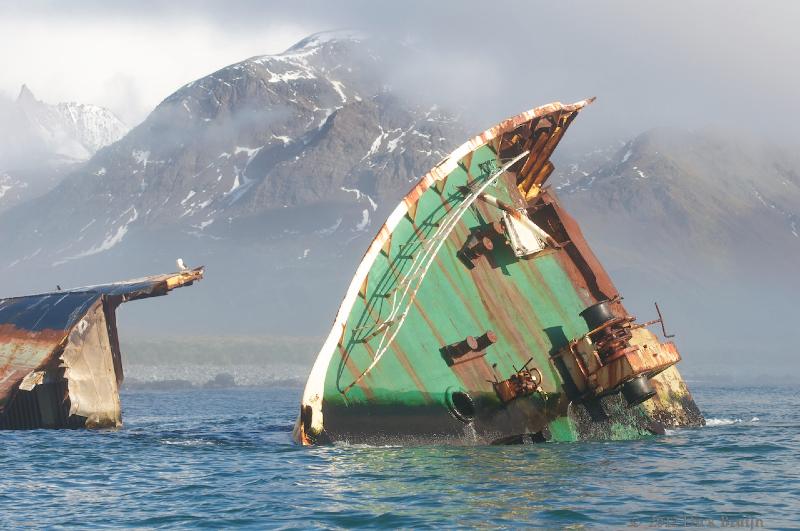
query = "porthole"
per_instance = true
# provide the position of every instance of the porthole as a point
(461, 405)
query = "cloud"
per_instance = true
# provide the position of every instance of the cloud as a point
(649, 63)
(126, 64)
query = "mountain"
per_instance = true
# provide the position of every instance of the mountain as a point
(706, 222)
(700, 195)
(71, 130)
(40, 143)
(277, 169)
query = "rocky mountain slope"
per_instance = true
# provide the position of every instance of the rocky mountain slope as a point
(40, 143)
(705, 222)
(310, 128)
(269, 169)
(708, 196)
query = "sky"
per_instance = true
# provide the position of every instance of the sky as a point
(694, 64)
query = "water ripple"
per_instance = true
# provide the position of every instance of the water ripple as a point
(224, 458)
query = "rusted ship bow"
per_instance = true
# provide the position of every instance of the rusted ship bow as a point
(480, 315)
(60, 362)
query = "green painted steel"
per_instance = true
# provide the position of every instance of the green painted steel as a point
(452, 303)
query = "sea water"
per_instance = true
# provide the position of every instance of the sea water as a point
(224, 458)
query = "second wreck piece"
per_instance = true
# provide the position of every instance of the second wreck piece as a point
(60, 361)
(480, 315)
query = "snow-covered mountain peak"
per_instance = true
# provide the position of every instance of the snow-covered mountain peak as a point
(318, 75)
(71, 130)
(25, 95)
(40, 143)
(322, 38)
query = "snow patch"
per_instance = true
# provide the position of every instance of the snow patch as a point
(240, 185)
(626, 156)
(88, 225)
(25, 258)
(236, 184)
(364, 220)
(376, 145)
(110, 240)
(338, 86)
(359, 194)
(760, 198)
(140, 156)
(324, 120)
(356, 191)
(290, 75)
(285, 139)
(331, 229)
(392, 144)
(251, 152)
(188, 196)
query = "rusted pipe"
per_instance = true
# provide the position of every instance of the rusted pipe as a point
(486, 340)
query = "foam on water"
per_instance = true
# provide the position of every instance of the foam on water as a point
(727, 422)
(193, 442)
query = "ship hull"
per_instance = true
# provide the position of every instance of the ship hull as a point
(463, 323)
(526, 421)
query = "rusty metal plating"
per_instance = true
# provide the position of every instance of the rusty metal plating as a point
(60, 362)
(406, 358)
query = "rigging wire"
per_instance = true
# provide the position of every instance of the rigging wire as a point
(420, 267)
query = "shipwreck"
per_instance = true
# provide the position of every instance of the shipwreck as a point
(60, 361)
(480, 315)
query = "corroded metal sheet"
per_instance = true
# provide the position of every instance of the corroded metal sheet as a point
(61, 349)
(32, 331)
(141, 288)
(404, 359)
(87, 361)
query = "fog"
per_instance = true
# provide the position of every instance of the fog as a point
(727, 63)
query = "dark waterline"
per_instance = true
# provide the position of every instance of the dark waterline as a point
(224, 458)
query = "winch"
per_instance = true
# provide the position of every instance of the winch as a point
(616, 355)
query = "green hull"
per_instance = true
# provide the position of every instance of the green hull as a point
(445, 308)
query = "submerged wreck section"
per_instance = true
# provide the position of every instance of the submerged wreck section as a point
(479, 314)
(60, 361)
